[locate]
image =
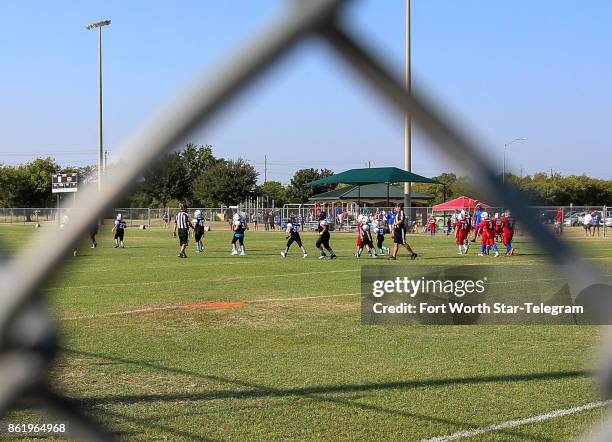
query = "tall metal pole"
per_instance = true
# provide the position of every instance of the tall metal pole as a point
(100, 141)
(408, 121)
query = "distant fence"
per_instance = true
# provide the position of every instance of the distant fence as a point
(272, 218)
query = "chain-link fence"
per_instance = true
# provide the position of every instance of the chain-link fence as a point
(562, 220)
(28, 342)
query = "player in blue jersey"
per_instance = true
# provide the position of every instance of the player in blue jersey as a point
(239, 227)
(119, 229)
(293, 231)
(378, 230)
(198, 233)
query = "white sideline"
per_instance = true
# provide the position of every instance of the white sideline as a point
(183, 306)
(516, 423)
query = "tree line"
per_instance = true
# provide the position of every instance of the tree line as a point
(194, 175)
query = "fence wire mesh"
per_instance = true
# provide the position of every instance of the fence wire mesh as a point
(28, 340)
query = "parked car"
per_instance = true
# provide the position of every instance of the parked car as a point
(575, 219)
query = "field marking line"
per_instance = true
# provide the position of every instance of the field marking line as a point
(190, 305)
(516, 423)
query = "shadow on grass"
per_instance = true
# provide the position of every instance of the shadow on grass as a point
(323, 393)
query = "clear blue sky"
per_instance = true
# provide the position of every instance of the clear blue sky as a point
(536, 69)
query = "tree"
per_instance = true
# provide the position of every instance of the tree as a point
(227, 182)
(29, 185)
(197, 159)
(274, 191)
(166, 179)
(298, 190)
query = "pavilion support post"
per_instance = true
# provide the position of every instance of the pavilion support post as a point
(388, 202)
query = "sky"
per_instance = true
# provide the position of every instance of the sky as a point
(503, 70)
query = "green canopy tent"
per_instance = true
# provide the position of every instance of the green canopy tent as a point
(372, 175)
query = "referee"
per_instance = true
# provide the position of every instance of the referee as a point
(182, 224)
(399, 233)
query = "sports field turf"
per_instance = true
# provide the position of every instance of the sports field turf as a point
(149, 350)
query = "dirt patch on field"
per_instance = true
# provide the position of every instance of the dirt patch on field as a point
(215, 305)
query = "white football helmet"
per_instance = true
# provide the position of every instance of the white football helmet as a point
(484, 215)
(198, 213)
(119, 217)
(236, 216)
(366, 227)
(496, 215)
(460, 216)
(375, 224)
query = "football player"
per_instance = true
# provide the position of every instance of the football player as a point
(293, 231)
(198, 233)
(462, 230)
(379, 230)
(323, 241)
(499, 227)
(366, 240)
(508, 232)
(487, 235)
(239, 226)
(119, 229)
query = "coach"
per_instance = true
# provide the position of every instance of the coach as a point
(182, 224)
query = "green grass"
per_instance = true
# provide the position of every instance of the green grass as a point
(297, 369)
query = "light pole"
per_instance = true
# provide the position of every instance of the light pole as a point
(408, 122)
(504, 162)
(99, 25)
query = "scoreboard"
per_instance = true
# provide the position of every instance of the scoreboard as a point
(64, 182)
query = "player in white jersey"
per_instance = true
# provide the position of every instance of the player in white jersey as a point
(119, 229)
(293, 231)
(199, 223)
(239, 226)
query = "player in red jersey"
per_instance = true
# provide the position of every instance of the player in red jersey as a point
(508, 234)
(488, 235)
(498, 226)
(462, 230)
(359, 224)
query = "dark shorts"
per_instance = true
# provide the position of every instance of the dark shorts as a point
(295, 239)
(365, 241)
(198, 234)
(379, 240)
(119, 234)
(399, 236)
(323, 241)
(183, 235)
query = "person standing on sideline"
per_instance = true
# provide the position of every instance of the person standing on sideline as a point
(586, 223)
(182, 223)
(559, 221)
(595, 222)
(399, 233)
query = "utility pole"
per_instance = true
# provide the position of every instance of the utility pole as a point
(408, 120)
(265, 169)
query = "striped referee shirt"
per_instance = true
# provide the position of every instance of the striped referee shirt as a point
(399, 219)
(182, 220)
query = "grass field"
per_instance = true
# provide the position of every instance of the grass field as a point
(148, 350)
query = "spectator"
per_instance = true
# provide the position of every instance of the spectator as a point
(595, 222)
(559, 221)
(339, 215)
(586, 223)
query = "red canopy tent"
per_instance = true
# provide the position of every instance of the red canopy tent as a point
(457, 204)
